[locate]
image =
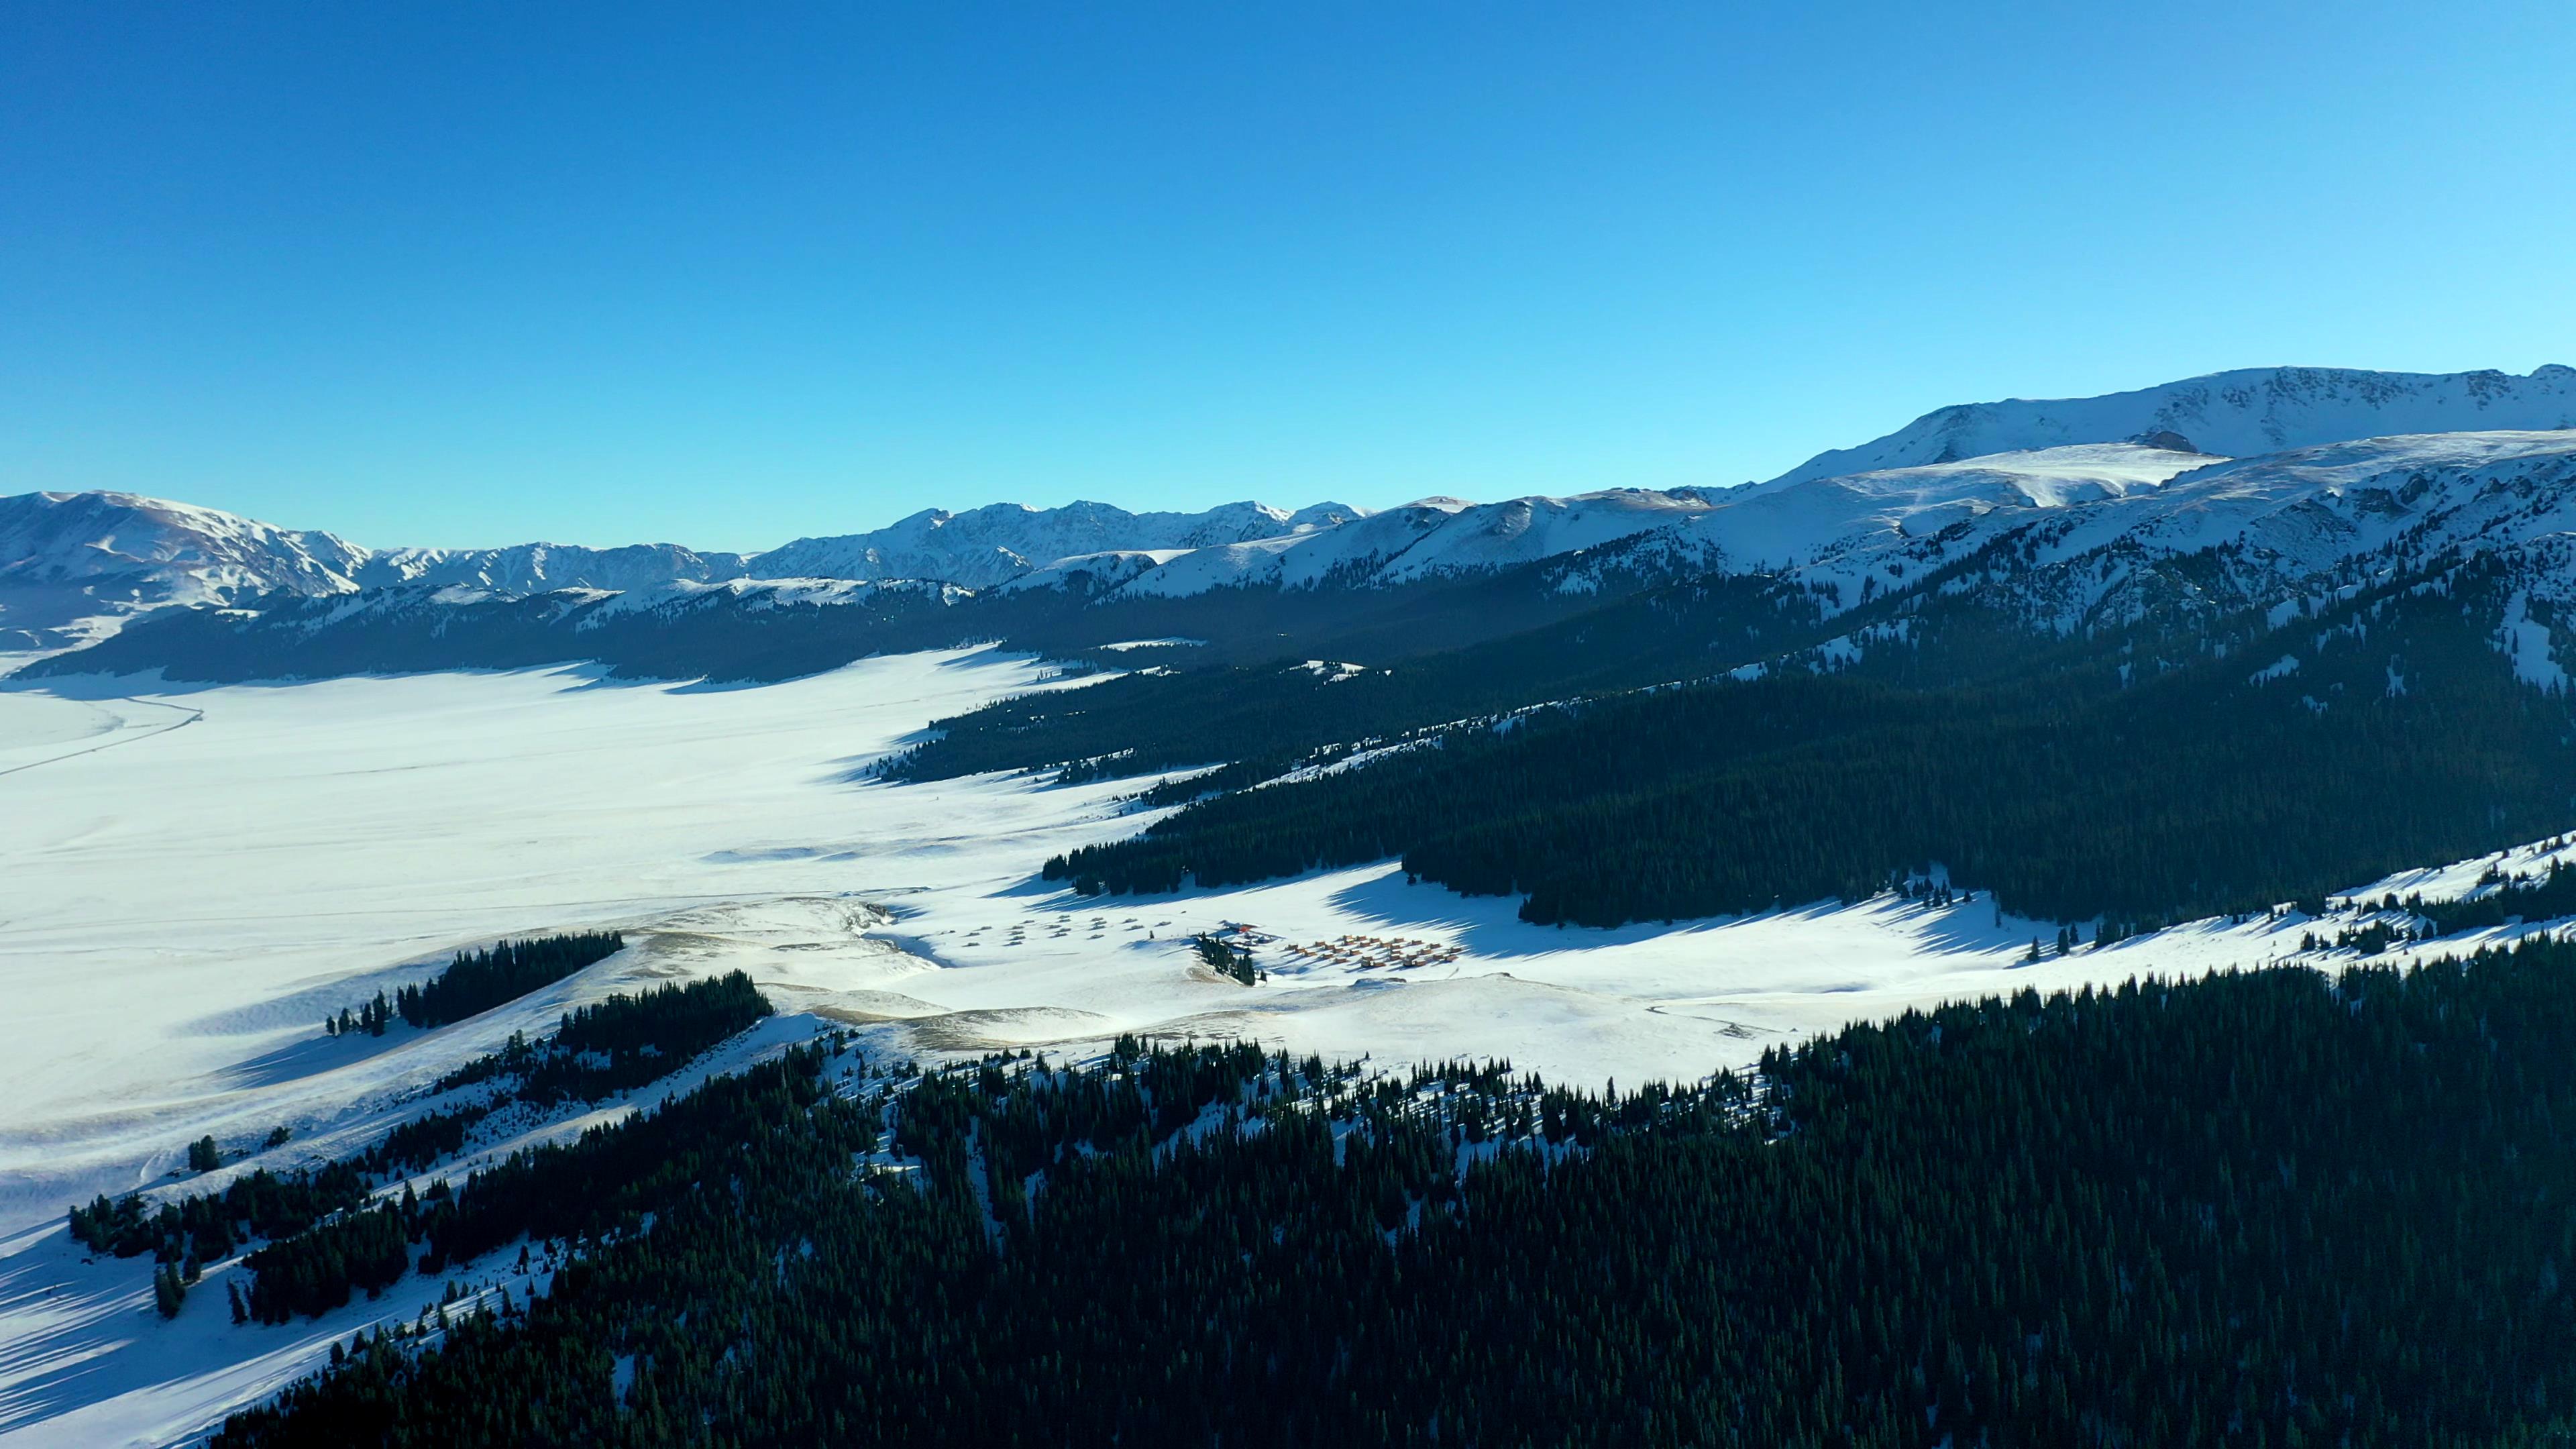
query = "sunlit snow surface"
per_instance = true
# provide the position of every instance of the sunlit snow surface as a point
(190, 880)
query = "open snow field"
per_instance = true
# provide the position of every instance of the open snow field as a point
(190, 880)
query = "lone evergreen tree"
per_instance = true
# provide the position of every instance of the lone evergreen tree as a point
(167, 1291)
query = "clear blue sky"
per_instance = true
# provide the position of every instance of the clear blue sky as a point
(457, 274)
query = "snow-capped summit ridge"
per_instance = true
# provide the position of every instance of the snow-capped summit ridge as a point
(56, 538)
(2237, 414)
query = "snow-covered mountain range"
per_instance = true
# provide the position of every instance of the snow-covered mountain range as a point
(2272, 463)
(72, 564)
(991, 545)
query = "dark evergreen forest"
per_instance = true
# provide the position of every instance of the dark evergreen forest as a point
(2271, 1208)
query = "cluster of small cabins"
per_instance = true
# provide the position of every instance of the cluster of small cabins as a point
(1373, 953)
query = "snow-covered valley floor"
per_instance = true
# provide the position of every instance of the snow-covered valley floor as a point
(191, 879)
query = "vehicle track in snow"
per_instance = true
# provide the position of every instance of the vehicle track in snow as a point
(193, 715)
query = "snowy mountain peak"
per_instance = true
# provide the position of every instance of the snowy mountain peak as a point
(68, 559)
(2238, 414)
(67, 537)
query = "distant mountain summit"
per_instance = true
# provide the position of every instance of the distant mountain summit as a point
(154, 547)
(2236, 414)
(71, 562)
(997, 543)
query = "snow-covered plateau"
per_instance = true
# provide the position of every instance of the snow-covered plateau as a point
(194, 878)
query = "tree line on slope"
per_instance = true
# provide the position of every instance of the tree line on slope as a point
(508, 970)
(2268, 1208)
(2545, 897)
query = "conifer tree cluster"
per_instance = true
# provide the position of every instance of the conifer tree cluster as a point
(1226, 959)
(371, 1017)
(477, 982)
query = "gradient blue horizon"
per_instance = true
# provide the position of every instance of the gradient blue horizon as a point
(472, 275)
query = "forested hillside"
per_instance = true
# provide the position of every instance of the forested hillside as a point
(2269, 1208)
(2070, 789)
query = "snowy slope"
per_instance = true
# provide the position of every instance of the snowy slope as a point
(2254, 410)
(1749, 530)
(2073, 535)
(2278, 528)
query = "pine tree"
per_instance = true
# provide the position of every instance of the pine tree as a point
(167, 1291)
